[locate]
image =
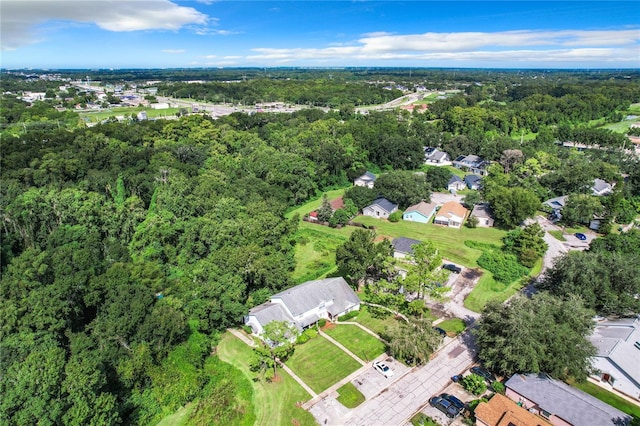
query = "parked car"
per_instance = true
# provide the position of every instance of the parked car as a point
(455, 401)
(383, 368)
(445, 406)
(484, 373)
(440, 331)
(451, 267)
(581, 236)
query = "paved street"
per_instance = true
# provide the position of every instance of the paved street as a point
(396, 404)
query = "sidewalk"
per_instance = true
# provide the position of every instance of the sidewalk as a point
(338, 344)
(240, 335)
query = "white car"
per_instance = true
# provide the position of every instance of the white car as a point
(383, 368)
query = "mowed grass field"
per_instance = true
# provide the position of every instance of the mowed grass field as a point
(320, 363)
(274, 403)
(358, 341)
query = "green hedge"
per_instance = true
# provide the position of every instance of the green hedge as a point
(348, 316)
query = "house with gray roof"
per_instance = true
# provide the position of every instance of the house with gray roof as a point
(368, 179)
(304, 304)
(472, 164)
(456, 184)
(380, 208)
(403, 247)
(483, 212)
(435, 157)
(601, 187)
(617, 362)
(473, 181)
(560, 403)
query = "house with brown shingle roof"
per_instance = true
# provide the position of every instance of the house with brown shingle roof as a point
(451, 214)
(501, 411)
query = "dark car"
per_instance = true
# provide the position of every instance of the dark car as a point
(440, 331)
(445, 406)
(580, 236)
(451, 267)
(455, 401)
(484, 373)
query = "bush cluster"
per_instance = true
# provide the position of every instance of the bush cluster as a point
(348, 316)
(306, 335)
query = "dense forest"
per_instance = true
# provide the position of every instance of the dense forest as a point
(127, 247)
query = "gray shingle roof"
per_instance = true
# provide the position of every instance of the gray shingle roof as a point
(404, 245)
(454, 179)
(562, 400)
(307, 296)
(385, 204)
(268, 312)
(600, 185)
(471, 180)
(368, 176)
(424, 208)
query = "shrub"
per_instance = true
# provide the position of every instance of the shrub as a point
(498, 387)
(348, 316)
(472, 222)
(310, 333)
(474, 384)
(302, 339)
(247, 329)
(395, 216)
(322, 322)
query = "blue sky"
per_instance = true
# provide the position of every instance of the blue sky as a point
(208, 33)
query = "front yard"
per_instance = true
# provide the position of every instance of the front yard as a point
(320, 363)
(361, 343)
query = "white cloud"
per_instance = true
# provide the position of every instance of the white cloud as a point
(608, 47)
(173, 51)
(20, 19)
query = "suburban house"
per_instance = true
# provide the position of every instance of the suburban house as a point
(304, 304)
(483, 212)
(380, 208)
(601, 187)
(556, 205)
(473, 181)
(561, 404)
(618, 357)
(456, 184)
(451, 214)
(472, 164)
(421, 212)
(403, 247)
(368, 179)
(336, 203)
(501, 411)
(436, 157)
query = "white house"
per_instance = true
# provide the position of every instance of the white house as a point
(421, 212)
(483, 212)
(472, 163)
(304, 304)
(618, 359)
(456, 184)
(435, 157)
(380, 208)
(601, 187)
(451, 214)
(368, 179)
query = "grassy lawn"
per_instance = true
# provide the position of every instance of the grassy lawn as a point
(315, 252)
(274, 403)
(558, 235)
(609, 398)
(178, 418)
(314, 204)
(350, 396)
(448, 240)
(489, 289)
(361, 343)
(377, 325)
(453, 326)
(320, 363)
(94, 117)
(422, 419)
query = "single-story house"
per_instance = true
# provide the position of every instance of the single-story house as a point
(368, 179)
(561, 404)
(421, 212)
(484, 214)
(455, 184)
(601, 187)
(556, 205)
(472, 163)
(451, 214)
(434, 156)
(618, 359)
(403, 247)
(304, 304)
(501, 411)
(380, 208)
(473, 181)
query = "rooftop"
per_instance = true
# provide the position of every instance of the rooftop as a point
(501, 411)
(404, 245)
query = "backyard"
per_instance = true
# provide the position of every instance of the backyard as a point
(358, 341)
(320, 363)
(275, 402)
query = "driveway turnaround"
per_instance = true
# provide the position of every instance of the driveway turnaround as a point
(396, 404)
